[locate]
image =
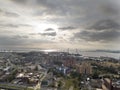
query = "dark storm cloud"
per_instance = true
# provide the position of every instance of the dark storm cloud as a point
(105, 25)
(48, 34)
(67, 28)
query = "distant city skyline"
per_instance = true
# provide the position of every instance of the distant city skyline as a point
(60, 24)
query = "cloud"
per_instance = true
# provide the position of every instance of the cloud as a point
(20, 41)
(83, 20)
(8, 13)
(48, 34)
(105, 25)
(47, 7)
(11, 41)
(10, 25)
(32, 34)
(101, 31)
(49, 29)
(24, 25)
(20, 1)
(67, 28)
(53, 7)
(20, 37)
(78, 12)
(11, 14)
(109, 9)
(104, 36)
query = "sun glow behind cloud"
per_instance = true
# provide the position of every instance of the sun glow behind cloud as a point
(41, 27)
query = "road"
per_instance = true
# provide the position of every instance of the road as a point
(38, 86)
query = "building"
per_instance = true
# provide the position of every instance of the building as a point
(84, 68)
(70, 63)
(110, 85)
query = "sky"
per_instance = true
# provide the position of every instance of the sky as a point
(60, 24)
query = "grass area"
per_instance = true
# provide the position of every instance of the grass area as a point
(71, 82)
(15, 87)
